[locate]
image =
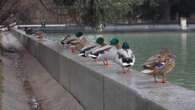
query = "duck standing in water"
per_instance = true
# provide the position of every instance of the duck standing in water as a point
(86, 50)
(126, 58)
(160, 64)
(107, 52)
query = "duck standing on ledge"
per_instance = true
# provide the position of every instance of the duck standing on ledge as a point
(86, 50)
(75, 43)
(107, 52)
(160, 64)
(126, 58)
(65, 39)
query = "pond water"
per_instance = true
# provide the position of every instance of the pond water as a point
(145, 45)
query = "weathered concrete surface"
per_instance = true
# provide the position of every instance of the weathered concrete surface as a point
(48, 92)
(51, 95)
(13, 97)
(101, 88)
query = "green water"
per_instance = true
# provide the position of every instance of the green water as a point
(146, 44)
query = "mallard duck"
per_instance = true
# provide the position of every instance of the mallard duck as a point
(71, 40)
(126, 58)
(65, 39)
(107, 52)
(86, 50)
(160, 64)
(77, 42)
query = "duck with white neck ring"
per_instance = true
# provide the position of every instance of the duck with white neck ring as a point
(75, 43)
(107, 52)
(126, 58)
(86, 50)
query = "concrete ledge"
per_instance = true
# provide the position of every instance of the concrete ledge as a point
(114, 28)
(99, 88)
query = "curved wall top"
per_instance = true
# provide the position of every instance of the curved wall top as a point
(100, 88)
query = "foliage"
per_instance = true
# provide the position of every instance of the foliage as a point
(7, 9)
(149, 10)
(99, 13)
(185, 7)
(96, 13)
(64, 2)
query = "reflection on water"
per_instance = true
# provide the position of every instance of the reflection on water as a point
(146, 44)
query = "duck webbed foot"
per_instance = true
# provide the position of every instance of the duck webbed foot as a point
(159, 81)
(125, 70)
(72, 49)
(106, 63)
(163, 80)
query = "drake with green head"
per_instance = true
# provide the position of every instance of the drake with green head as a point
(126, 58)
(85, 51)
(107, 52)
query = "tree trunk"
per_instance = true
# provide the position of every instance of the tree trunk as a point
(165, 7)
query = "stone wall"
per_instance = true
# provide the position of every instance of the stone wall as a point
(100, 88)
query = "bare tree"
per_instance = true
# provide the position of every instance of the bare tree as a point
(8, 8)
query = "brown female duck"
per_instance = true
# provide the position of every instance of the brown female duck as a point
(160, 64)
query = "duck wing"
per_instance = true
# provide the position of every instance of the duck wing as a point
(86, 50)
(88, 47)
(125, 57)
(169, 66)
(151, 61)
(102, 49)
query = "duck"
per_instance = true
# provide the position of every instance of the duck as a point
(71, 39)
(86, 50)
(65, 40)
(106, 53)
(126, 57)
(160, 64)
(75, 43)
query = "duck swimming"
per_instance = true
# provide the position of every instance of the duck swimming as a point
(160, 64)
(126, 58)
